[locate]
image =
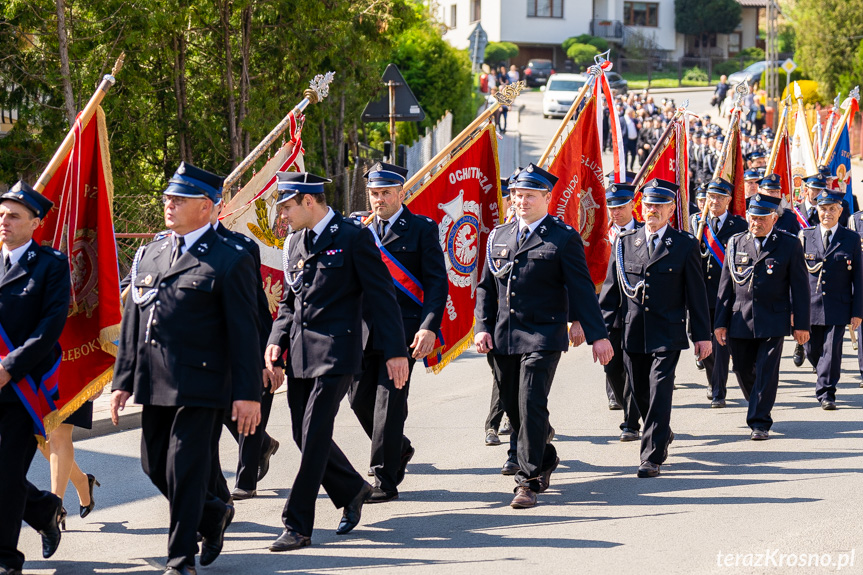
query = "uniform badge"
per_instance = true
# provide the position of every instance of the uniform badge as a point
(542, 229)
(503, 253)
(769, 268)
(849, 264)
(334, 228)
(739, 269)
(300, 263)
(809, 256)
(638, 242)
(202, 247)
(31, 255)
(182, 169)
(148, 280)
(744, 258)
(668, 242)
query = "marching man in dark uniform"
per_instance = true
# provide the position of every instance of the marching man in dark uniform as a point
(855, 224)
(763, 287)
(535, 281)
(647, 266)
(332, 267)
(787, 220)
(718, 228)
(618, 199)
(835, 265)
(408, 243)
(189, 349)
(34, 302)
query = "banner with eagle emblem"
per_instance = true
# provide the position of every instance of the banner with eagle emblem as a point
(463, 197)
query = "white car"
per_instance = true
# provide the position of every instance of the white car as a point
(559, 93)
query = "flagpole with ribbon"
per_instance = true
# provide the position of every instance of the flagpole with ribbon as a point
(783, 129)
(594, 72)
(319, 88)
(739, 92)
(84, 117)
(849, 106)
(828, 130)
(660, 144)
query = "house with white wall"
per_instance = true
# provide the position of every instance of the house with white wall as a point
(538, 27)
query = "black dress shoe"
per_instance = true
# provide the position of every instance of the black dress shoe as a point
(264, 462)
(241, 494)
(491, 437)
(759, 435)
(290, 540)
(212, 546)
(613, 405)
(828, 405)
(9, 571)
(403, 467)
(799, 355)
(505, 426)
(86, 509)
(51, 534)
(717, 403)
(185, 570)
(371, 472)
(648, 469)
(509, 468)
(378, 495)
(353, 511)
(629, 434)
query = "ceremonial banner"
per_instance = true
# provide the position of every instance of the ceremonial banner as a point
(252, 211)
(802, 153)
(732, 171)
(671, 164)
(81, 225)
(463, 197)
(579, 196)
(783, 166)
(840, 166)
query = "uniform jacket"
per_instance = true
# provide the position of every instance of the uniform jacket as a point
(34, 303)
(413, 241)
(614, 317)
(762, 306)
(855, 223)
(836, 289)
(196, 341)
(709, 266)
(673, 284)
(548, 285)
(321, 323)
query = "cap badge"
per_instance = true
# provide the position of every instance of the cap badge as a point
(529, 169)
(181, 169)
(757, 197)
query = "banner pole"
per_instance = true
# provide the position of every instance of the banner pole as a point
(834, 139)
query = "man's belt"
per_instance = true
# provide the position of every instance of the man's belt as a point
(714, 245)
(37, 398)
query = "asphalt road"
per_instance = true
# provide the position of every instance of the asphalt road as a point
(723, 503)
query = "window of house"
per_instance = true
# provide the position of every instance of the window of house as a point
(452, 15)
(475, 10)
(545, 8)
(705, 40)
(734, 40)
(641, 14)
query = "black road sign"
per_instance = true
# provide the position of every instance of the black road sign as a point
(407, 108)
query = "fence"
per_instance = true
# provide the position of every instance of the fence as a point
(423, 150)
(678, 72)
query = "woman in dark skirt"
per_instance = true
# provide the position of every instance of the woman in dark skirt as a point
(60, 452)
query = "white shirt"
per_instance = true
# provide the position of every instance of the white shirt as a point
(390, 220)
(832, 231)
(631, 130)
(322, 225)
(722, 219)
(659, 233)
(629, 226)
(189, 239)
(532, 227)
(15, 255)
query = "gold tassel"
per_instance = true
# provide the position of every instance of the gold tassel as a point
(53, 420)
(453, 353)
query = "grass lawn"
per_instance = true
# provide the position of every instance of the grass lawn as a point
(659, 79)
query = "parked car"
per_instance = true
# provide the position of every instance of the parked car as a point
(751, 74)
(560, 92)
(617, 84)
(537, 72)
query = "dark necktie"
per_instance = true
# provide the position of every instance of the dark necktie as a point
(827, 235)
(651, 244)
(525, 231)
(178, 249)
(813, 215)
(758, 246)
(382, 229)
(714, 223)
(310, 239)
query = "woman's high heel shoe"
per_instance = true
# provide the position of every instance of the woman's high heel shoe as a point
(86, 509)
(61, 519)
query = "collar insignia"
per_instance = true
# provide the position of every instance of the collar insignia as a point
(668, 241)
(30, 255)
(334, 228)
(638, 242)
(542, 229)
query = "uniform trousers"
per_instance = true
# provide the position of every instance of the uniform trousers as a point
(824, 351)
(314, 404)
(525, 381)
(382, 410)
(19, 499)
(495, 409)
(756, 364)
(177, 444)
(652, 377)
(251, 446)
(716, 367)
(860, 349)
(616, 380)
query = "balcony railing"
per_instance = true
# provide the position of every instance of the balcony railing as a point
(608, 29)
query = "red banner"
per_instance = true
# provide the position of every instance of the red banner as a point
(783, 167)
(81, 226)
(252, 211)
(664, 166)
(733, 171)
(464, 199)
(579, 196)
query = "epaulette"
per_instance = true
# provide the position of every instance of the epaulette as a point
(430, 220)
(353, 222)
(789, 234)
(161, 235)
(51, 251)
(561, 223)
(687, 234)
(627, 232)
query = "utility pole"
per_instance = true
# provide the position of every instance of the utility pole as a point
(772, 55)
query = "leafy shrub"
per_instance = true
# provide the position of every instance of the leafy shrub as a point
(582, 54)
(695, 74)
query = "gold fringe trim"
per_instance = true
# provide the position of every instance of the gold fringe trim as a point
(107, 337)
(105, 152)
(456, 351)
(94, 388)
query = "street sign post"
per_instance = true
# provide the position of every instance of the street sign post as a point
(476, 48)
(789, 66)
(398, 103)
